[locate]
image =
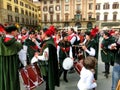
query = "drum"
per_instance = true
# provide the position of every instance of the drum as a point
(78, 66)
(31, 76)
(67, 63)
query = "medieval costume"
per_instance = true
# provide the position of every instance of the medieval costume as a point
(106, 53)
(90, 48)
(64, 50)
(48, 59)
(31, 45)
(9, 61)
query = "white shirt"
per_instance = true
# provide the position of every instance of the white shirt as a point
(86, 80)
(74, 38)
(70, 52)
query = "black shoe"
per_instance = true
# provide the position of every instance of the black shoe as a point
(106, 75)
(65, 80)
(105, 72)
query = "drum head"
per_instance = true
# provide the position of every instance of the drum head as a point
(67, 63)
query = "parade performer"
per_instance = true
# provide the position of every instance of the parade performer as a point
(23, 35)
(87, 81)
(64, 50)
(31, 45)
(9, 60)
(48, 59)
(74, 40)
(106, 53)
(89, 47)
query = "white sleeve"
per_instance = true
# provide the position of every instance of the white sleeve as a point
(91, 52)
(58, 49)
(90, 84)
(23, 55)
(43, 57)
(70, 53)
(73, 40)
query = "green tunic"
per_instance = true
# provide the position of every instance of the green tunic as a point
(9, 64)
(106, 54)
(50, 68)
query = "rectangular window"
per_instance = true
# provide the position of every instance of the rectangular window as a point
(57, 1)
(9, 7)
(51, 1)
(51, 18)
(10, 18)
(16, 19)
(45, 17)
(16, 1)
(66, 8)
(90, 6)
(105, 17)
(78, 7)
(114, 17)
(98, 17)
(66, 17)
(58, 17)
(66, 1)
(98, 7)
(23, 20)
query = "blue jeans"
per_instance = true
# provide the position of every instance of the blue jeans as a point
(115, 76)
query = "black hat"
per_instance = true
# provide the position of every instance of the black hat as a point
(106, 33)
(32, 32)
(11, 28)
(45, 29)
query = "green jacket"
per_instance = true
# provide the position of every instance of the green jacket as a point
(9, 64)
(106, 54)
(50, 68)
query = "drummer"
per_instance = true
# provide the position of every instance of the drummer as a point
(48, 59)
(64, 50)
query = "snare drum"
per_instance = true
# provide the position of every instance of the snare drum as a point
(67, 63)
(78, 66)
(31, 76)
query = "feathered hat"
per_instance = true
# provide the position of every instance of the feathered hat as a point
(49, 31)
(94, 32)
(2, 28)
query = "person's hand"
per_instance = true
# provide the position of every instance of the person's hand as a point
(94, 80)
(36, 54)
(72, 58)
(33, 40)
(46, 55)
(84, 47)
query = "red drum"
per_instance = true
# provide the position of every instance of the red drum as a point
(78, 66)
(31, 76)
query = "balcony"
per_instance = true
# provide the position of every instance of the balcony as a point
(78, 11)
(92, 19)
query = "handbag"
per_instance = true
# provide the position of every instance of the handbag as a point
(31, 76)
(118, 85)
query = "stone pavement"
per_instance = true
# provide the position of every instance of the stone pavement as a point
(102, 82)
